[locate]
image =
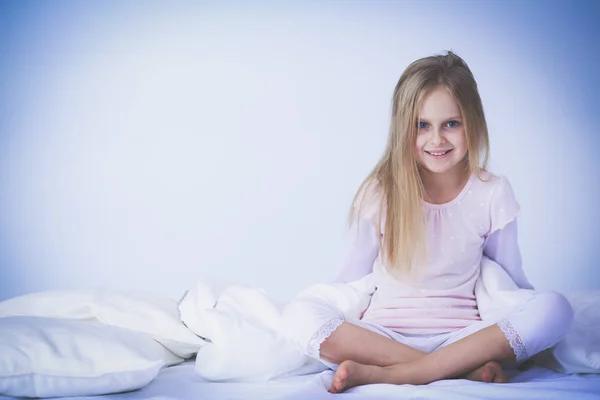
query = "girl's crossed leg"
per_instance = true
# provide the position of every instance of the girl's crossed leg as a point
(535, 326)
(321, 330)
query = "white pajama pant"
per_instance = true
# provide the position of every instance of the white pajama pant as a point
(531, 327)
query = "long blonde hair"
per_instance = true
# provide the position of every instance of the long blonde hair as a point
(396, 178)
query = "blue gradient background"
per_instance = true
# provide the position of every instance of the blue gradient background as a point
(144, 145)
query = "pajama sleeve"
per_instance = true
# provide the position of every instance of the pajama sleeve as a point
(504, 207)
(361, 250)
(502, 247)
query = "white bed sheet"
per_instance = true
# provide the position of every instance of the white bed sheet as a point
(182, 383)
(535, 383)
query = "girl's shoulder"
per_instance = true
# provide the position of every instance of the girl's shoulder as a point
(492, 185)
(502, 206)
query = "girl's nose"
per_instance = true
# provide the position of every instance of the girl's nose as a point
(437, 140)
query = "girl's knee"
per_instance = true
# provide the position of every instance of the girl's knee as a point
(541, 323)
(545, 321)
(307, 310)
(554, 307)
(302, 319)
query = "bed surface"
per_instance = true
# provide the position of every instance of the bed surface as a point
(180, 382)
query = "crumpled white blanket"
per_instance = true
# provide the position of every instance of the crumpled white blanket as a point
(496, 292)
(246, 331)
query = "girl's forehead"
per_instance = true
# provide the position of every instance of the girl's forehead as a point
(439, 104)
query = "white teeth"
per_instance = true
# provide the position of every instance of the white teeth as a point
(437, 154)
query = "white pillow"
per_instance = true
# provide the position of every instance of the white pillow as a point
(579, 350)
(155, 315)
(50, 357)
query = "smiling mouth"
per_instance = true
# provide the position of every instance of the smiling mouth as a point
(438, 153)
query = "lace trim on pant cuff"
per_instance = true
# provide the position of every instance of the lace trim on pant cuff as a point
(314, 344)
(514, 339)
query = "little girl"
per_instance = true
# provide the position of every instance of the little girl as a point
(421, 223)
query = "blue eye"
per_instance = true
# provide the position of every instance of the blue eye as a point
(422, 125)
(453, 124)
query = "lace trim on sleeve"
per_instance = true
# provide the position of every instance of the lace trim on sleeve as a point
(514, 339)
(314, 344)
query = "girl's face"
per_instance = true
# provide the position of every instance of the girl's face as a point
(441, 142)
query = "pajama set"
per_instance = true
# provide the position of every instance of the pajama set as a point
(438, 306)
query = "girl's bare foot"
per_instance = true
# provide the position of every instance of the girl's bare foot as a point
(350, 374)
(489, 372)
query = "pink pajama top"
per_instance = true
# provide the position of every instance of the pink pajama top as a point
(480, 220)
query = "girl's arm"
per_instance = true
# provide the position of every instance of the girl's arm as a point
(361, 251)
(502, 247)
